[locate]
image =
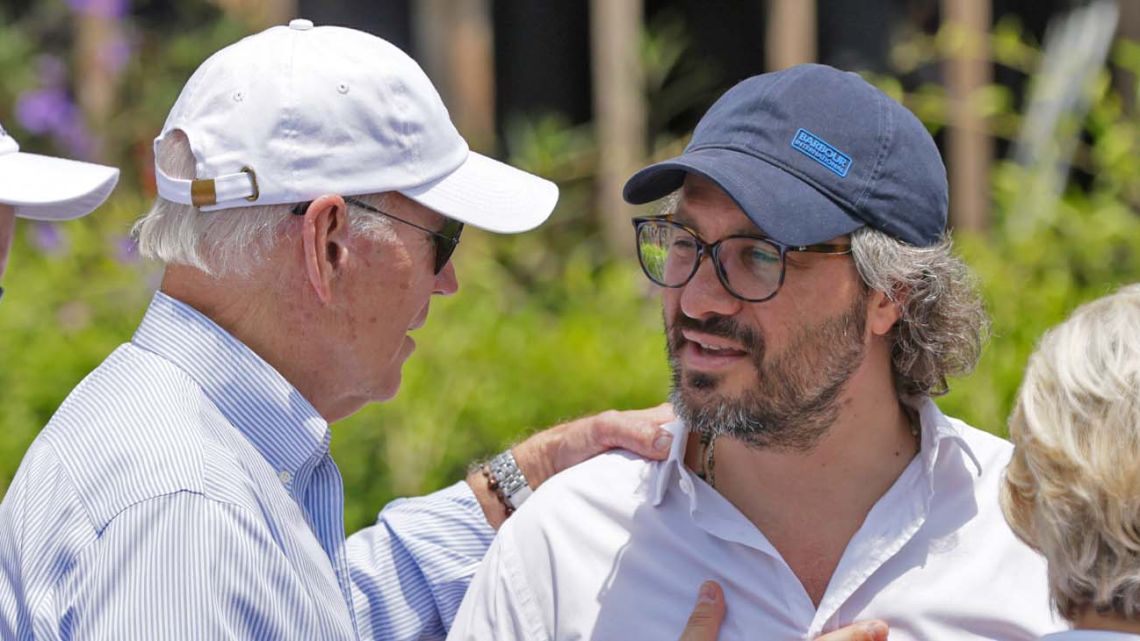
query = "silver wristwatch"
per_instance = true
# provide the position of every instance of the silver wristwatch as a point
(508, 481)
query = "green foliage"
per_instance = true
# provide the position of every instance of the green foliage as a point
(67, 304)
(547, 325)
(1044, 256)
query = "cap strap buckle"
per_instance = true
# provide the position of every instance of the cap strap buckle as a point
(209, 192)
(203, 192)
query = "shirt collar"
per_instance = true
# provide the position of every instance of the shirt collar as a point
(936, 429)
(253, 396)
(664, 472)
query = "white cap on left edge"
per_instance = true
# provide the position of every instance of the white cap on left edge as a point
(48, 188)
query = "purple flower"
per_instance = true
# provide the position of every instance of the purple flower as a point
(126, 250)
(75, 139)
(42, 111)
(48, 238)
(100, 8)
(52, 71)
(51, 112)
(115, 54)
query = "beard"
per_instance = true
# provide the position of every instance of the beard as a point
(796, 397)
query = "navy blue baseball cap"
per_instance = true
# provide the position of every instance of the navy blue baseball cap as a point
(810, 153)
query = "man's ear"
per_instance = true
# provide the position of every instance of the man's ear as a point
(883, 312)
(324, 240)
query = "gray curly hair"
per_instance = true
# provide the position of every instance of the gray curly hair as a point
(943, 323)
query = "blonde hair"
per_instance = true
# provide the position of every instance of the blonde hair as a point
(1072, 489)
(229, 241)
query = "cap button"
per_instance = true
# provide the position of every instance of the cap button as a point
(300, 24)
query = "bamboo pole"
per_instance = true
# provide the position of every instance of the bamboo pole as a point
(1128, 29)
(455, 44)
(969, 145)
(791, 33)
(96, 81)
(260, 14)
(619, 112)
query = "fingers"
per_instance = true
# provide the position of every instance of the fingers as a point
(708, 614)
(638, 431)
(862, 631)
(553, 450)
(704, 622)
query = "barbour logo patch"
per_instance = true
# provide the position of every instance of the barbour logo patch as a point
(820, 151)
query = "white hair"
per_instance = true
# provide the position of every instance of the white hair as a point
(1072, 488)
(228, 241)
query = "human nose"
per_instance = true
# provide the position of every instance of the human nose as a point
(446, 281)
(705, 295)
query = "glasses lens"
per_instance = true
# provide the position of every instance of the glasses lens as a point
(667, 252)
(446, 240)
(752, 267)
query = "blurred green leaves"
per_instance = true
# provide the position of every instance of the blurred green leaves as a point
(547, 325)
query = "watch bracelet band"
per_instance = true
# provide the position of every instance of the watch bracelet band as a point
(507, 481)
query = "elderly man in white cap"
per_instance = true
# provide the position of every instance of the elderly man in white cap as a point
(311, 191)
(45, 188)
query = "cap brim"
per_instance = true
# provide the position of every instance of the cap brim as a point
(490, 195)
(47, 188)
(783, 206)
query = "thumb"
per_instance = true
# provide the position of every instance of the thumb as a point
(865, 631)
(704, 622)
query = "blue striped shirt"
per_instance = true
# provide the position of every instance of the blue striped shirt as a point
(184, 490)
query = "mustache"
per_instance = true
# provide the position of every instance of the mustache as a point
(721, 326)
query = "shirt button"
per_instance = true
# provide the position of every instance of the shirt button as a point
(285, 476)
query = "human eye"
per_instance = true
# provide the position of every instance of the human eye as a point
(681, 242)
(759, 255)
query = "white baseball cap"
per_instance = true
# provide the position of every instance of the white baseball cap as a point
(292, 113)
(47, 188)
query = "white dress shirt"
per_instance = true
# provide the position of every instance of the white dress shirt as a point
(617, 547)
(1091, 635)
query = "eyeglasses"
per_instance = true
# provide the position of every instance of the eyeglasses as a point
(751, 268)
(445, 240)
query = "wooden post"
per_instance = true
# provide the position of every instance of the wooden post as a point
(619, 112)
(1128, 29)
(791, 33)
(260, 14)
(96, 81)
(455, 44)
(969, 145)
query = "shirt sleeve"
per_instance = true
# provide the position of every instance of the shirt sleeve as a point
(182, 566)
(500, 603)
(411, 569)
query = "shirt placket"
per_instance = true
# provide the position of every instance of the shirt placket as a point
(713, 513)
(890, 525)
(322, 500)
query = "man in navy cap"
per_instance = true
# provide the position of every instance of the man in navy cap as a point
(812, 308)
